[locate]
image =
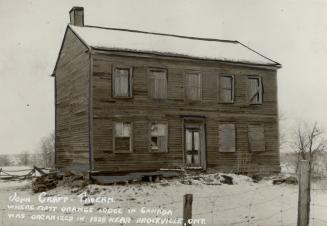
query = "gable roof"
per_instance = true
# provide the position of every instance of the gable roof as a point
(169, 45)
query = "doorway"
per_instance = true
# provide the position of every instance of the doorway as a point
(194, 137)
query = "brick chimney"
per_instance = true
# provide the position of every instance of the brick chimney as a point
(77, 16)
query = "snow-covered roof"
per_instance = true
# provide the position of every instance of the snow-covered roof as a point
(146, 42)
(167, 44)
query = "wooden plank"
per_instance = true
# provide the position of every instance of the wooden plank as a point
(109, 179)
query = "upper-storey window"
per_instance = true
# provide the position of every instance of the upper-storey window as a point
(157, 83)
(193, 86)
(226, 85)
(122, 82)
(254, 90)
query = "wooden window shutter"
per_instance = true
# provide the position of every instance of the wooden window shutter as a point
(151, 86)
(255, 90)
(256, 137)
(157, 87)
(227, 138)
(193, 86)
(226, 88)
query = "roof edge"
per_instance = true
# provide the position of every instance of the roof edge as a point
(244, 63)
(62, 45)
(274, 64)
(187, 37)
(260, 54)
(59, 53)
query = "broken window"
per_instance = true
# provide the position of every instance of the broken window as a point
(158, 142)
(256, 137)
(158, 84)
(226, 88)
(255, 90)
(122, 137)
(122, 79)
(193, 86)
(227, 138)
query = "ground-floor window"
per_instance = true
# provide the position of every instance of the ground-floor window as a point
(256, 134)
(158, 137)
(122, 137)
(227, 138)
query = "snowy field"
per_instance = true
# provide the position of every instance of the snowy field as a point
(214, 203)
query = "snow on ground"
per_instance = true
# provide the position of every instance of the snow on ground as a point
(243, 203)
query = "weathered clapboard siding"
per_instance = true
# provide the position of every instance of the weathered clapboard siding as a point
(94, 104)
(140, 109)
(72, 115)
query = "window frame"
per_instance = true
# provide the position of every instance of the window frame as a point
(149, 73)
(166, 136)
(130, 81)
(220, 88)
(234, 140)
(131, 140)
(186, 85)
(259, 78)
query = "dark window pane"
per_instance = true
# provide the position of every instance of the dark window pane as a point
(122, 144)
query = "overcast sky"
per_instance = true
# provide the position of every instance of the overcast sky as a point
(292, 32)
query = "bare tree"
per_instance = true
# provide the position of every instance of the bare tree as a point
(24, 158)
(4, 160)
(283, 139)
(308, 141)
(47, 150)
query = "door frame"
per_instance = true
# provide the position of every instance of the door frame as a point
(198, 122)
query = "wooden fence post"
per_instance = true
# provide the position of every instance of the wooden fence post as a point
(187, 209)
(304, 194)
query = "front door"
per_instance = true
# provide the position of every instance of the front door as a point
(193, 147)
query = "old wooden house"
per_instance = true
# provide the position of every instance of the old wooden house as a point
(132, 101)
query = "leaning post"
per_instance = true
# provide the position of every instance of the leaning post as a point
(304, 194)
(187, 209)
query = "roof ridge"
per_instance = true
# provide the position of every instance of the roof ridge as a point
(164, 34)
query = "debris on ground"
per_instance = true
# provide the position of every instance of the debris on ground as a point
(286, 180)
(44, 183)
(211, 179)
(256, 178)
(227, 179)
(76, 182)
